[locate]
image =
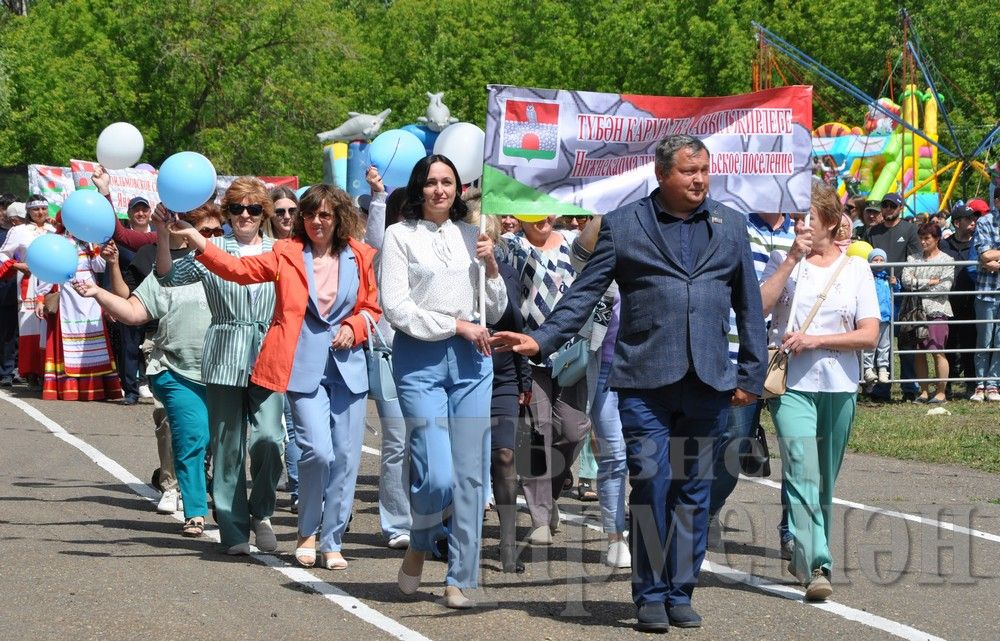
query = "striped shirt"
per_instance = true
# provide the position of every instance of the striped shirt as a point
(987, 237)
(241, 316)
(763, 240)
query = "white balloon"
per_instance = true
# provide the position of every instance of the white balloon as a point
(119, 146)
(463, 143)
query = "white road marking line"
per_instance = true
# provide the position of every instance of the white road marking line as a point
(301, 576)
(894, 628)
(944, 525)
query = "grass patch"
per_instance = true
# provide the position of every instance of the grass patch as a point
(969, 437)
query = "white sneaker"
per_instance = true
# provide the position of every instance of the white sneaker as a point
(399, 541)
(168, 502)
(618, 555)
(979, 396)
(870, 376)
(992, 394)
(883, 375)
(265, 539)
(144, 392)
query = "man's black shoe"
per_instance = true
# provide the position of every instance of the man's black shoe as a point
(7, 381)
(130, 400)
(653, 618)
(683, 616)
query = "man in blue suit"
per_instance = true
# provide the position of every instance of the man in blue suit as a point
(681, 260)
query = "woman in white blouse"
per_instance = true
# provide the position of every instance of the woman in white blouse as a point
(930, 277)
(441, 358)
(814, 416)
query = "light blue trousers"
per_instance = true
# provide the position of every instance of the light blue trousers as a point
(444, 391)
(329, 428)
(612, 468)
(184, 402)
(394, 472)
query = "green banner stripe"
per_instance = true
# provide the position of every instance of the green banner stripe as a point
(504, 196)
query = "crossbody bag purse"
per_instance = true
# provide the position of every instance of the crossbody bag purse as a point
(775, 381)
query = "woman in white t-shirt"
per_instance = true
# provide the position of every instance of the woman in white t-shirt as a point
(814, 416)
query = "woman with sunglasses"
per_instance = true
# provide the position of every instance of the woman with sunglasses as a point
(325, 286)
(174, 364)
(286, 209)
(236, 404)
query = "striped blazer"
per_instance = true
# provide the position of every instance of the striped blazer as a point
(240, 316)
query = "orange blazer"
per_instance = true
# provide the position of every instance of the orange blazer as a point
(285, 265)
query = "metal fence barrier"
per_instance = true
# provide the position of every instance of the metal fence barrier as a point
(895, 270)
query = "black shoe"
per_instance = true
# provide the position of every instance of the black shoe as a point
(683, 616)
(441, 549)
(130, 400)
(7, 381)
(652, 618)
(508, 559)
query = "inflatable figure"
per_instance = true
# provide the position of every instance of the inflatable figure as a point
(357, 127)
(438, 115)
(876, 122)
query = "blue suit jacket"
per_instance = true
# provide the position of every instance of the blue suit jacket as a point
(672, 321)
(315, 361)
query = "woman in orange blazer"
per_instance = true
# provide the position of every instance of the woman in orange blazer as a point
(324, 280)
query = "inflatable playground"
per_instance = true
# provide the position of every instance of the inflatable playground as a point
(882, 156)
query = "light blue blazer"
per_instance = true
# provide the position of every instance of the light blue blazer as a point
(315, 360)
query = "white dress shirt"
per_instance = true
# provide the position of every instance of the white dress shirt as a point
(429, 277)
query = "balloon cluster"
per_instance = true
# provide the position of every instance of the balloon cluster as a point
(186, 180)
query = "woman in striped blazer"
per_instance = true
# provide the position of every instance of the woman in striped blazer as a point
(241, 316)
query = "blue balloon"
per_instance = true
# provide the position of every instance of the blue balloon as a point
(301, 190)
(186, 181)
(89, 216)
(394, 153)
(425, 135)
(52, 258)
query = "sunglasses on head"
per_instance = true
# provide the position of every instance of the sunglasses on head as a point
(281, 211)
(211, 232)
(235, 209)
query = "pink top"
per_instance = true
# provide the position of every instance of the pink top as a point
(326, 274)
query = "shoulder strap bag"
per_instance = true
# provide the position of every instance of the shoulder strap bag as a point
(775, 381)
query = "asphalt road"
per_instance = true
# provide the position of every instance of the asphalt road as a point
(83, 555)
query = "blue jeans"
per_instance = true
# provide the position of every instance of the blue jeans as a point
(330, 428)
(444, 391)
(129, 357)
(671, 436)
(184, 402)
(612, 469)
(394, 473)
(292, 452)
(8, 339)
(740, 423)
(987, 336)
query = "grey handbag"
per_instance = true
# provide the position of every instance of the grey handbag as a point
(381, 385)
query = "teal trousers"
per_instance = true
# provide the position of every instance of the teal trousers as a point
(813, 430)
(244, 420)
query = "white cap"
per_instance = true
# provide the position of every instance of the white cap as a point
(16, 210)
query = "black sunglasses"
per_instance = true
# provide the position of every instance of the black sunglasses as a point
(281, 211)
(211, 232)
(888, 204)
(848, 207)
(235, 209)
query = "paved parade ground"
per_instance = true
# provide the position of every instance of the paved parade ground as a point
(85, 556)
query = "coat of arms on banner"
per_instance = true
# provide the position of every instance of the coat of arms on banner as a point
(530, 133)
